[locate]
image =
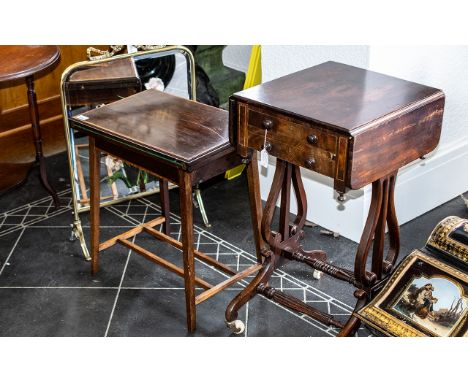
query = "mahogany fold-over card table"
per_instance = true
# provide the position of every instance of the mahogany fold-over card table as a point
(178, 140)
(353, 125)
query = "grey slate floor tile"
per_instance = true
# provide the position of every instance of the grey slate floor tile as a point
(46, 288)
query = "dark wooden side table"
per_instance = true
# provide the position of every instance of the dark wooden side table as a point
(353, 125)
(177, 140)
(26, 61)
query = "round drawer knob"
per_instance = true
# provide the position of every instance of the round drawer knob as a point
(268, 146)
(309, 163)
(312, 139)
(267, 124)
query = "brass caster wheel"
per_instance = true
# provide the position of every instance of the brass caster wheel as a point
(317, 275)
(237, 326)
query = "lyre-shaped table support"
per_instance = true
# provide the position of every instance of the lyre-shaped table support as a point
(285, 244)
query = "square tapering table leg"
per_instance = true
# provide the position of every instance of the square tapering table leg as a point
(165, 209)
(186, 212)
(95, 200)
(253, 182)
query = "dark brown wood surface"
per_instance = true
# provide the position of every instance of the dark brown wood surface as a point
(19, 61)
(104, 82)
(338, 95)
(105, 71)
(389, 145)
(162, 123)
(354, 125)
(17, 149)
(351, 124)
(23, 62)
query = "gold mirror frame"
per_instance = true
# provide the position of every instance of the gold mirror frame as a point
(77, 230)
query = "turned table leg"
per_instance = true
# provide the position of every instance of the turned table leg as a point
(36, 130)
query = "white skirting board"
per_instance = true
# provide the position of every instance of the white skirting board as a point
(421, 186)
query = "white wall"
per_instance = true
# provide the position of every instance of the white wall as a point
(443, 67)
(444, 175)
(279, 60)
(237, 57)
(422, 185)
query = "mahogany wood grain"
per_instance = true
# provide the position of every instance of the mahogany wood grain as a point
(160, 261)
(15, 125)
(37, 139)
(21, 61)
(353, 324)
(97, 72)
(24, 62)
(344, 97)
(285, 202)
(297, 305)
(177, 120)
(13, 94)
(186, 210)
(270, 205)
(210, 160)
(255, 205)
(354, 125)
(226, 283)
(232, 310)
(131, 232)
(382, 148)
(102, 83)
(199, 255)
(393, 229)
(165, 209)
(366, 124)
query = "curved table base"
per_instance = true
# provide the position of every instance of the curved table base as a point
(285, 244)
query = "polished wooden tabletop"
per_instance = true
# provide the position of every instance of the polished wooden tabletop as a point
(18, 61)
(338, 95)
(161, 123)
(105, 71)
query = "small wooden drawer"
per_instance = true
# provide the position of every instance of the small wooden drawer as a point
(295, 141)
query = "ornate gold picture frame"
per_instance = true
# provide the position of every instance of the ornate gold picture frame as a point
(424, 297)
(449, 237)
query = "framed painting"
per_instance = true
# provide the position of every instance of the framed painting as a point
(424, 297)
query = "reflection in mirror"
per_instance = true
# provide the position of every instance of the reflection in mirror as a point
(92, 84)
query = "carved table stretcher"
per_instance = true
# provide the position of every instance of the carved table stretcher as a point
(181, 141)
(353, 125)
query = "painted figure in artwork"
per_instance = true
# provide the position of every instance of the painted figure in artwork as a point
(424, 301)
(436, 304)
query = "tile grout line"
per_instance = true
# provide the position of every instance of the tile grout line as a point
(123, 274)
(281, 273)
(199, 231)
(240, 252)
(35, 203)
(118, 290)
(12, 250)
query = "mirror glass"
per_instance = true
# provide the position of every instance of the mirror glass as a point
(96, 83)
